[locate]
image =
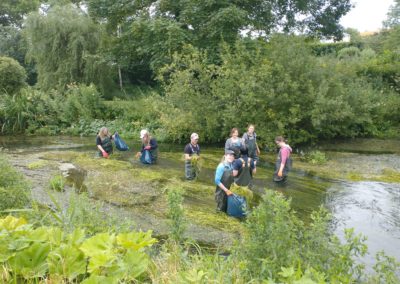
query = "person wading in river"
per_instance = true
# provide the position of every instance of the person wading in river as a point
(192, 152)
(250, 140)
(235, 143)
(148, 154)
(243, 170)
(223, 181)
(104, 142)
(284, 162)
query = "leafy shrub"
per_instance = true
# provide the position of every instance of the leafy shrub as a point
(316, 157)
(176, 214)
(57, 183)
(14, 190)
(50, 253)
(12, 76)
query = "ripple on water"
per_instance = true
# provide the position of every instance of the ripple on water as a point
(371, 208)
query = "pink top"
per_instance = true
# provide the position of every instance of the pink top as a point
(285, 153)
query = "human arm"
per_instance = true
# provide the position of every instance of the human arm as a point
(218, 176)
(284, 156)
(227, 144)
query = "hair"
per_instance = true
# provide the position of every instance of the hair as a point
(103, 133)
(280, 139)
(250, 125)
(233, 130)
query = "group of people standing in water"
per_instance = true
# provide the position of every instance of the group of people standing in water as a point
(238, 165)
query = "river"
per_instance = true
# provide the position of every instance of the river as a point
(372, 208)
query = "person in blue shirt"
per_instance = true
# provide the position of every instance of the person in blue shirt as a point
(148, 154)
(223, 181)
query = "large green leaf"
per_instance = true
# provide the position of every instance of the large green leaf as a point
(76, 238)
(99, 262)
(136, 240)
(131, 266)
(66, 261)
(31, 262)
(11, 223)
(98, 244)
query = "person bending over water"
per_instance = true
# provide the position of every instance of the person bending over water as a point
(104, 142)
(148, 154)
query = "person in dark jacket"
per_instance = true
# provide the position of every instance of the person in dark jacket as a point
(104, 142)
(192, 152)
(149, 152)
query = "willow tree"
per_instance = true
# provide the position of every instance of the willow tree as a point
(62, 42)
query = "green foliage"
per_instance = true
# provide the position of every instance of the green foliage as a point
(348, 52)
(14, 190)
(12, 12)
(12, 76)
(57, 183)
(176, 214)
(292, 244)
(60, 42)
(50, 253)
(316, 157)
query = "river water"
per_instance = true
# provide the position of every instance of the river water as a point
(371, 208)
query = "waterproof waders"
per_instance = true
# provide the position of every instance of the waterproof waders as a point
(220, 196)
(245, 175)
(286, 168)
(106, 144)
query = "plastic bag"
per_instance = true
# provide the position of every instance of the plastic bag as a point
(237, 206)
(119, 143)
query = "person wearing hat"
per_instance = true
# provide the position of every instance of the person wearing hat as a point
(224, 180)
(148, 154)
(192, 152)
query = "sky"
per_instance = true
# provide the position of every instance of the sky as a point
(367, 15)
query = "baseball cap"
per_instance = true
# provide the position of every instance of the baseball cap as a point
(194, 136)
(143, 132)
(229, 152)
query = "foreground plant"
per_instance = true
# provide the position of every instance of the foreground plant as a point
(47, 253)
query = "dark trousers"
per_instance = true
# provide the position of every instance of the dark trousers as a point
(222, 200)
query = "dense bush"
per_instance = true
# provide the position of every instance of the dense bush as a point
(14, 190)
(280, 86)
(12, 76)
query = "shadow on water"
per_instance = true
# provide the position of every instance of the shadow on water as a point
(372, 208)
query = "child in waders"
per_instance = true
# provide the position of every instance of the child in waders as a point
(223, 181)
(284, 162)
(104, 142)
(192, 151)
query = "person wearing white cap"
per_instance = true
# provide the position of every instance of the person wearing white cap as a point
(192, 152)
(148, 154)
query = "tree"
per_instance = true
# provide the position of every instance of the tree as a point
(205, 24)
(62, 43)
(12, 12)
(393, 16)
(12, 76)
